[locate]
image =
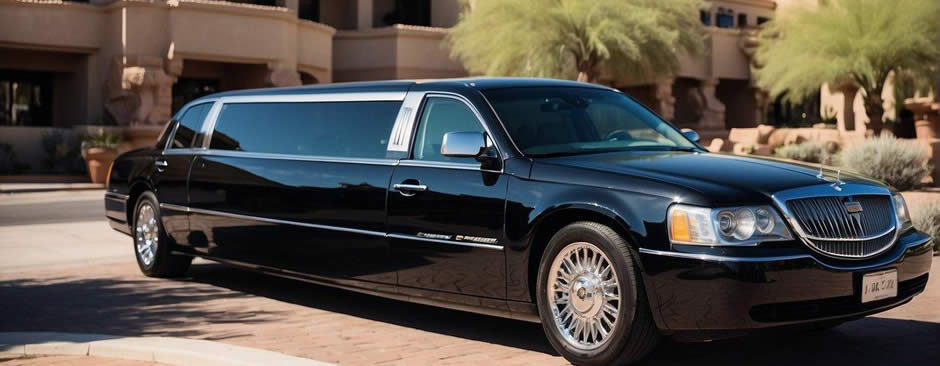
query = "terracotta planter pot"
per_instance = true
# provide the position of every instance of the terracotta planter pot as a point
(99, 161)
(925, 130)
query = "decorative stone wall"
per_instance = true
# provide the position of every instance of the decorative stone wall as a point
(138, 91)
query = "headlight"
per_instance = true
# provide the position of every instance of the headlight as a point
(900, 209)
(747, 225)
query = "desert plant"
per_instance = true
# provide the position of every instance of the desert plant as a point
(926, 217)
(810, 151)
(901, 164)
(851, 44)
(102, 140)
(576, 38)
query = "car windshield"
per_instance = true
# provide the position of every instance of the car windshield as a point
(557, 121)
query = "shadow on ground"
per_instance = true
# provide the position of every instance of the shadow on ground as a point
(175, 308)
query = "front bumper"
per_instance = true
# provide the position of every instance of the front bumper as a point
(691, 291)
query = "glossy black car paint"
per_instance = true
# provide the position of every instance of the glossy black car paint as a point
(521, 205)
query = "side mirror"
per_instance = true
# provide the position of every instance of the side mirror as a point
(690, 134)
(463, 144)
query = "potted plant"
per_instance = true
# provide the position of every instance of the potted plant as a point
(99, 151)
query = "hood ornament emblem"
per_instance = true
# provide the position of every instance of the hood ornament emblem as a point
(837, 183)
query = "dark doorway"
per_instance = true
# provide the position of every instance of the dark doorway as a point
(25, 98)
(186, 90)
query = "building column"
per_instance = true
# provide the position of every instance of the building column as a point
(282, 76)
(713, 114)
(665, 101)
(363, 14)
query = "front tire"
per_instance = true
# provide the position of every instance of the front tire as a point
(152, 244)
(591, 302)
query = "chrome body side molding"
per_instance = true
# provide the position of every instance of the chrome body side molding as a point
(327, 227)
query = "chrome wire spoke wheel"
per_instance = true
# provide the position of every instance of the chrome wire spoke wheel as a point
(584, 295)
(146, 234)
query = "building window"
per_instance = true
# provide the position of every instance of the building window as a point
(25, 98)
(742, 20)
(411, 12)
(725, 18)
(762, 20)
(705, 16)
(186, 90)
(309, 10)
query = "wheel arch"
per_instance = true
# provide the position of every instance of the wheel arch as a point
(137, 188)
(551, 221)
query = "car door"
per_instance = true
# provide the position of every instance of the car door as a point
(298, 187)
(171, 170)
(446, 215)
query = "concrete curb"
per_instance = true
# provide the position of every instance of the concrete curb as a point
(167, 350)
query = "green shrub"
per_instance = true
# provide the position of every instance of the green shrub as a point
(926, 217)
(901, 164)
(102, 140)
(811, 152)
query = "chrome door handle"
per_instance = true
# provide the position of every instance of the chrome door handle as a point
(409, 190)
(161, 165)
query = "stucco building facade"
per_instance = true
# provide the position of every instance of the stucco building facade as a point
(132, 63)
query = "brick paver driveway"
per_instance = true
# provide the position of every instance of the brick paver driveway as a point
(239, 307)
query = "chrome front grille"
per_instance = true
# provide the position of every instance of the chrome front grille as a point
(829, 227)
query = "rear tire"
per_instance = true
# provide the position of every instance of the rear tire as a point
(152, 244)
(573, 284)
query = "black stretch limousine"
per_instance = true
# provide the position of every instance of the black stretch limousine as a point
(550, 201)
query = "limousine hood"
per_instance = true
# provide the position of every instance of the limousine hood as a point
(714, 177)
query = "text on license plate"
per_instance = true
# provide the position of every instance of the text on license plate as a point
(879, 285)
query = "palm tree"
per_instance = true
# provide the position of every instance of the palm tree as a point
(851, 44)
(576, 38)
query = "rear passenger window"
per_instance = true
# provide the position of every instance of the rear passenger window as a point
(188, 134)
(338, 129)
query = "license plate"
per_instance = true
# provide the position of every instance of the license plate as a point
(879, 285)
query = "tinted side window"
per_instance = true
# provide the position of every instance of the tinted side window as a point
(339, 129)
(188, 133)
(440, 116)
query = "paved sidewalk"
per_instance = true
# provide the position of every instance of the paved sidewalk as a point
(47, 187)
(75, 361)
(243, 308)
(57, 230)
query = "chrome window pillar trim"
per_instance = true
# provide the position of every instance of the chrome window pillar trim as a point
(209, 125)
(442, 241)
(732, 259)
(826, 190)
(403, 131)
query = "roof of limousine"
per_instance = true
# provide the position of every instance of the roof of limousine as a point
(480, 83)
